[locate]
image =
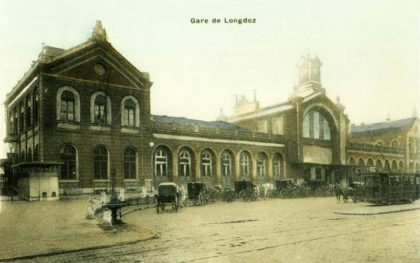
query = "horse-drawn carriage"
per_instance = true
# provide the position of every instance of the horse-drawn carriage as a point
(246, 190)
(200, 193)
(384, 188)
(168, 194)
(194, 192)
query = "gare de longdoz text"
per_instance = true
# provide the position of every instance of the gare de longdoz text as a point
(225, 21)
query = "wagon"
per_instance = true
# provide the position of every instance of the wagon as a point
(194, 191)
(386, 188)
(168, 195)
(246, 190)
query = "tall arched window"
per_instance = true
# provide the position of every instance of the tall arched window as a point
(68, 158)
(100, 109)
(361, 162)
(29, 155)
(387, 164)
(277, 166)
(100, 163)
(352, 161)
(36, 106)
(378, 164)
(245, 164)
(29, 120)
(68, 104)
(161, 162)
(130, 161)
(394, 165)
(185, 163)
(316, 126)
(36, 153)
(227, 164)
(100, 106)
(370, 163)
(401, 165)
(262, 165)
(206, 163)
(130, 114)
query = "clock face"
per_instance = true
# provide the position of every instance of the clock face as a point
(99, 69)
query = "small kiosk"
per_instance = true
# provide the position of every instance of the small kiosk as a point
(37, 181)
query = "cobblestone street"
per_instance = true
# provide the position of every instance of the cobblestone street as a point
(278, 230)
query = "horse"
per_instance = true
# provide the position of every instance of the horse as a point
(265, 189)
(339, 192)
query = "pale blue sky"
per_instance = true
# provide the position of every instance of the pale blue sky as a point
(369, 49)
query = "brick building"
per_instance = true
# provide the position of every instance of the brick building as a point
(80, 118)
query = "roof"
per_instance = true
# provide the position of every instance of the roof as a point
(384, 126)
(186, 121)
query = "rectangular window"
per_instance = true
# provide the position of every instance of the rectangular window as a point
(262, 126)
(277, 125)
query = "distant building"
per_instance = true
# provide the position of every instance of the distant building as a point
(80, 119)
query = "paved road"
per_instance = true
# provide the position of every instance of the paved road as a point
(295, 230)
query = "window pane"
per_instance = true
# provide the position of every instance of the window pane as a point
(316, 124)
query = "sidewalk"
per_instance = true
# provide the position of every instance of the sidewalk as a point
(351, 208)
(29, 229)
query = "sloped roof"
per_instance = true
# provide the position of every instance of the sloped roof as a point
(384, 126)
(186, 121)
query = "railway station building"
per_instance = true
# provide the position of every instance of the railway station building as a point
(80, 120)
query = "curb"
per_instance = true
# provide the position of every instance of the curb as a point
(47, 254)
(134, 209)
(377, 213)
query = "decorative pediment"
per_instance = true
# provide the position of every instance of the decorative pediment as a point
(97, 62)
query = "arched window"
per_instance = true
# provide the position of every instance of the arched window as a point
(378, 164)
(206, 163)
(22, 118)
(29, 155)
(401, 165)
(100, 109)
(379, 143)
(387, 164)
(370, 163)
(394, 165)
(100, 163)
(29, 111)
(36, 106)
(130, 114)
(185, 163)
(262, 165)
(100, 106)
(130, 161)
(68, 104)
(278, 166)
(36, 153)
(68, 158)
(395, 143)
(161, 161)
(227, 164)
(316, 126)
(245, 164)
(361, 162)
(352, 161)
